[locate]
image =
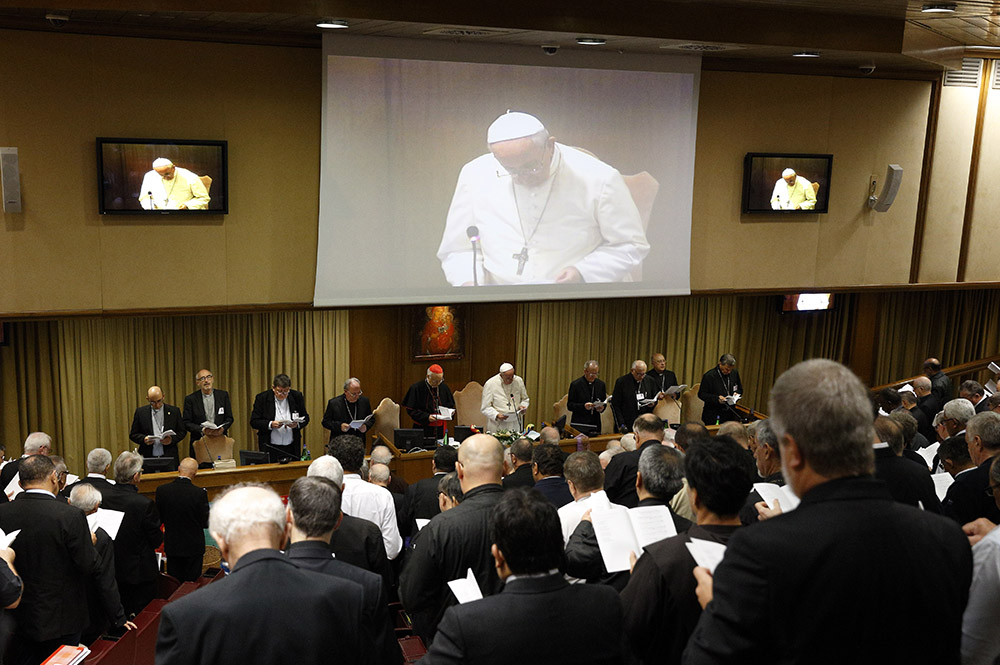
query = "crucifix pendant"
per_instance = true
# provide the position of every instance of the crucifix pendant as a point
(522, 258)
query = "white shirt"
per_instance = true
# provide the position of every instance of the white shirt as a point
(571, 513)
(980, 632)
(283, 435)
(497, 400)
(373, 503)
(583, 216)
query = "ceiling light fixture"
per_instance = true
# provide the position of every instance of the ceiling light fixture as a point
(948, 8)
(331, 23)
(806, 54)
(591, 41)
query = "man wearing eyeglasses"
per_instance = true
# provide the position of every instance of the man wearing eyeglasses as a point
(539, 212)
(279, 416)
(207, 405)
(345, 411)
(157, 428)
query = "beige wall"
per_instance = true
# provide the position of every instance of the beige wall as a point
(865, 123)
(983, 263)
(59, 254)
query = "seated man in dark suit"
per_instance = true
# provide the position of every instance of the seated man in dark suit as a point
(780, 593)
(314, 514)
(183, 507)
(546, 468)
(520, 458)
(661, 608)
(150, 422)
(138, 536)
(56, 557)
(357, 541)
(267, 610)
(581, 623)
(982, 435)
(103, 600)
(98, 465)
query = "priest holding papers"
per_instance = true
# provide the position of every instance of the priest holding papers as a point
(430, 403)
(587, 399)
(349, 413)
(157, 428)
(533, 211)
(505, 399)
(720, 390)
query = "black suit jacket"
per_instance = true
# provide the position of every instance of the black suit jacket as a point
(266, 611)
(359, 542)
(619, 476)
(781, 591)
(183, 507)
(422, 497)
(138, 536)
(624, 402)
(580, 393)
(104, 602)
(7, 474)
(713, 385)
(55, 558)
(142, 426)
(263, 415)
(520, 477)
(930, 404)
(966, 499)
(316, 556)
(337, 413)
(194, 412)
(568, 623)
(102, 484)
(555, 490)
(661, 608)
(908, 482)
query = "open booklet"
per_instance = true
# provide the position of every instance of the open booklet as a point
(928, 452)
(445, 413)
(942, 481)
(674, 391)
(293, 420)
(784, 494)
(733, 399)
(210, 425)
(156, 439)
(366, 422)
(622, 530)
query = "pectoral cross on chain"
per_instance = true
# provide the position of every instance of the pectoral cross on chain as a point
(522, 258)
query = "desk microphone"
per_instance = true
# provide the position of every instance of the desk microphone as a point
(473, 233)
(152, 204)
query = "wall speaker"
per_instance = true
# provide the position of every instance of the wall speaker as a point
(11, 178)
(890, 187)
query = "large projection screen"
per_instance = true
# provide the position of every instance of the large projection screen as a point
(398, 131)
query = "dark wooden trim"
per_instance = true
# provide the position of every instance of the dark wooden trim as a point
(930, 139)
(954, 370)
(970, 192)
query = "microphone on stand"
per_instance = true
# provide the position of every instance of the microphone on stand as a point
(473, 233)
(152, 204)
(517, 412)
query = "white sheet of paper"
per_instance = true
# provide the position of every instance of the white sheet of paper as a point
(733, 399)
(990, 387)
(210, 425)
(942, 481)
(109, 520)
(356, 424)
(651, 524)
(6, 539)
(421, 523)
(646, 402)
(675, 390)
(929, 452)
(445, 413)
(882, 412)
(466, 589)
(994, 368)
(907, 389)
(769, 492)
(706, 553)
(13, 488)
(532, 435)
(71, 478)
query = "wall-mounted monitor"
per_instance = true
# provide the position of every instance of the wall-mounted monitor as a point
(162, 177)
(806, 302)
(786, 183)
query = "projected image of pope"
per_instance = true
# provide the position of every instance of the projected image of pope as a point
(793, 192)
(170, 187)
(543, 212)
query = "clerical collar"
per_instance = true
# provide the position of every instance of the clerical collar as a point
(531, 576)
(880, 445)
(40, 491)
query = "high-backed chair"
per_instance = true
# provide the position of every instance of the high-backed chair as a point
(207, 181)
(668, 410)
(468, 405)
(386, 420)
(208, 449)
(691, 405)
(559, 409)
(608, 425)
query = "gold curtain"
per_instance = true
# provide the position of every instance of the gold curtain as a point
(81, 379)
(556, 338)
(954, 326)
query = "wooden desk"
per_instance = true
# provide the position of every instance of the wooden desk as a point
(278, 476)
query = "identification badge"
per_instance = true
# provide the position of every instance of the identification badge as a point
(222, 411)
(640, 396)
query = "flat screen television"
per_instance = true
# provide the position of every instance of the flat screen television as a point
(251, 457)
(786, 183)
(162, 177)
(806, 302)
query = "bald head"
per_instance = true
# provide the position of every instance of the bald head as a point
(480, 461)
(188, 467)
(922, 386)
(155, 397)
